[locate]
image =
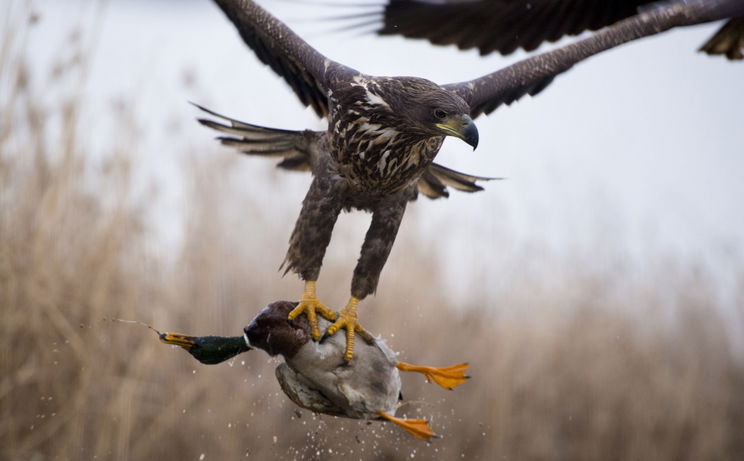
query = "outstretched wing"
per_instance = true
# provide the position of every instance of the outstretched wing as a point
(500, 25)
(301, 151)
(310, 74)
(506, 25)
(532, 75)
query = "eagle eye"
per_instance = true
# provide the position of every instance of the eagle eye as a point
(440, 114)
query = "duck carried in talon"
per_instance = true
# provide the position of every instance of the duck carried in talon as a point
(315, 375)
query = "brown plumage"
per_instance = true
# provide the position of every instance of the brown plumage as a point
(384, 133)
(505, 25)
(308, 151)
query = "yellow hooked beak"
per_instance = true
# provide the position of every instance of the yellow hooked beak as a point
(460, 127)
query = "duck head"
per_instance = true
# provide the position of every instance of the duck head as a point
(271, 331)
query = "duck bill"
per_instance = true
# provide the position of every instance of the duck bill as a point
(461, 127)
(184, 341)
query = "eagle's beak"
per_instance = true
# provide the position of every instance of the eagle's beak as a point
(461, 127)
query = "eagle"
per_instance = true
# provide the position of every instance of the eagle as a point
(384, 133)
(505, 25)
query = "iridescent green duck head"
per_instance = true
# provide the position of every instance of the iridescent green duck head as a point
(209, 350)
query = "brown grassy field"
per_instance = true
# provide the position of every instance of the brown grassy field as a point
(572, 362)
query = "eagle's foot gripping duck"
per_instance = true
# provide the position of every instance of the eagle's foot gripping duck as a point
(311, 306)
(348, 321)
(316, 376)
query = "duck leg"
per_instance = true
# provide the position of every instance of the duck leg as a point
(447, 377)
(418, 428)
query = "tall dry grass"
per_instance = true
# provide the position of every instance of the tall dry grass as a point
(568, 367)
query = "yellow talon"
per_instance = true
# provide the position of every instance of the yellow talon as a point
(311, 306)
(447, 377)
(347, 319)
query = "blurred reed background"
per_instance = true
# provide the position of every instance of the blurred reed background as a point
(583, 357)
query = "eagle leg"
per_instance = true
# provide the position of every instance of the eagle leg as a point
(418, 428)
(447, 377)
(347, 319)
(311, 306)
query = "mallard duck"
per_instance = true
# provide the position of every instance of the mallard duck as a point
(315, 375)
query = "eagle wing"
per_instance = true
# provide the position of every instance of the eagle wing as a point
(532, 75)
(305, 150)
(310, 74)
(506, 25)
(500, 25)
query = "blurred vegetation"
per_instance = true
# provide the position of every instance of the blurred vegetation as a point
(565, 365)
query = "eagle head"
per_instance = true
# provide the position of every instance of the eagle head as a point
(429, 109)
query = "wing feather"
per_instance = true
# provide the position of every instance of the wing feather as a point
(532, 75)
(729, 40)
(309, 73)
(506, 25)
(500, 25)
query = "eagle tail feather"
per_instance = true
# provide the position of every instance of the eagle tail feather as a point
(435, 180)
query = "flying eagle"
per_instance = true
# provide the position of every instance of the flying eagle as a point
(506, 25)
(384, 133)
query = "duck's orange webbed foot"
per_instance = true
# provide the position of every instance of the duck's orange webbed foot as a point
(347, 319)
(311, 306)
(418, 428)
(447, 377)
